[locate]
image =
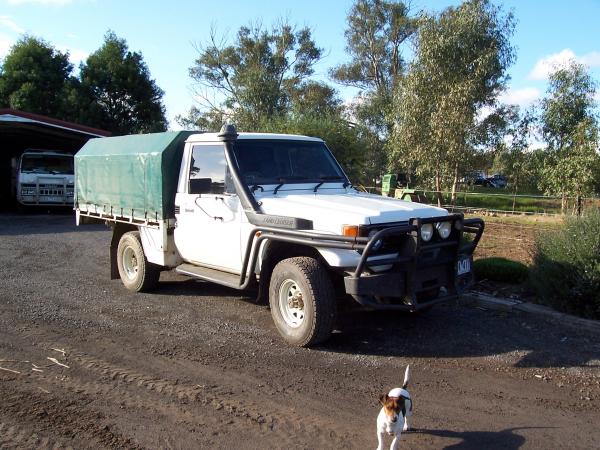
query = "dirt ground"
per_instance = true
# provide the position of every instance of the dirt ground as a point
(195, 365)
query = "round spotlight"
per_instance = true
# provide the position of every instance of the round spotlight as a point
(444, 229)
(427, 232)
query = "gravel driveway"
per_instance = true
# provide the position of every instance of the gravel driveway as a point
(87, 364)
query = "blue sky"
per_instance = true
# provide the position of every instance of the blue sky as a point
(547, 32)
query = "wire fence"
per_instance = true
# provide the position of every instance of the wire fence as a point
(501, 203)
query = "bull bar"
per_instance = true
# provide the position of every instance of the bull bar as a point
(407, 268)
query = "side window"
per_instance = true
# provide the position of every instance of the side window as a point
(208, 170)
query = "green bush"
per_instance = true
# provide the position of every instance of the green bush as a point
(500, 269)
(566, 269)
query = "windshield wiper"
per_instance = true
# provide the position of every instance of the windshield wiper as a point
(326, 179)
(284, 180)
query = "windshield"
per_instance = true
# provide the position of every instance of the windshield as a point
(52, 164)
(275, 162)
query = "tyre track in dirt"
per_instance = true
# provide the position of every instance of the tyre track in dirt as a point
(282, 423)
(51, 415)
(13, 436)
(178, 402)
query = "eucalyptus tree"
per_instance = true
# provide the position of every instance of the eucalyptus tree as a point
(570, 130)
(376, 32)
(459, 68)
(254, 78)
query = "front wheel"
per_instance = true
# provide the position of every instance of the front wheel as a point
(302, 301)
(137, 274)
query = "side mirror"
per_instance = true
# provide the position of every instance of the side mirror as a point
(200, 185)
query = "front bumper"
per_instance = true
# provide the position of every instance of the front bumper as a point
(421, 273)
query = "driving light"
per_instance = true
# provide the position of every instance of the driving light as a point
(426, 232)
(444, 229)
(377, 244)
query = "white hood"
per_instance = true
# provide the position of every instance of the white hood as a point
(330, 209)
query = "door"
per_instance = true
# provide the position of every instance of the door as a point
(208, 211)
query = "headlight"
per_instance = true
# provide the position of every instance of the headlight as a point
(444, 229)
(426, 232)
(378, 243)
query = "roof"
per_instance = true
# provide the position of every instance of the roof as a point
(14, 118)
(36, 151)
(212, 137)
(134, 144)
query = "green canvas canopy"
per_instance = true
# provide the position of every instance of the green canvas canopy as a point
(131, 176)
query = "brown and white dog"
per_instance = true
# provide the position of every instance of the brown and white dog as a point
(392, 419)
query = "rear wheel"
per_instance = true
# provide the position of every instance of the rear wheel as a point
(302, 301)
(137, 274)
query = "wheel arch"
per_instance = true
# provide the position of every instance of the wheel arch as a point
(275, 251)
(119, 229)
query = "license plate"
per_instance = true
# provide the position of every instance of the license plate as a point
(51, 199)
(464, 266)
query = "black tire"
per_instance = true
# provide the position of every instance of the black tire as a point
(317, 301)
(137, 274)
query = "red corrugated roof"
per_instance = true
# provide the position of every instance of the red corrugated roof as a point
(54, 122)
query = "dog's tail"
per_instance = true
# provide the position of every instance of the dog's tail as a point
(406, 377)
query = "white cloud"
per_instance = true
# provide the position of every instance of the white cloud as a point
(545, 66)
(591, 59)
(40, 2)
(5, 45)
(75, 55)
(520, 97)
(7, 22)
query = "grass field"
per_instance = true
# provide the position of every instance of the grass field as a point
(503, 201)
(513, 237)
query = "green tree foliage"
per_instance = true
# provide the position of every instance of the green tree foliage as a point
(459, 67)
(36, 77)
(313, 98)
(569, 102)
(570, 128)
(255, 78)
(345, 142)
(123, 97)
(375, 34)
(513, 157)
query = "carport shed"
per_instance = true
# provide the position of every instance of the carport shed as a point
(21, 130)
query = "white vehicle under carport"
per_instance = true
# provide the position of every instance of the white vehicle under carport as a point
(271, 212)
(43, 177)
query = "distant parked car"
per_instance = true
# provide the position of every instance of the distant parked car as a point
(498, 180)
(486, 182)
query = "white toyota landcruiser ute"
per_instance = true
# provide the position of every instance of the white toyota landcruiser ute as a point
(273, 213)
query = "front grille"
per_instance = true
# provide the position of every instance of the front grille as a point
(390, 244)
(51, 189)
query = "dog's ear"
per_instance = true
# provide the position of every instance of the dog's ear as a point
(383, 398)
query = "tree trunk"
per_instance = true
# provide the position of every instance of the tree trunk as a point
(438, 188)
(454, 184)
